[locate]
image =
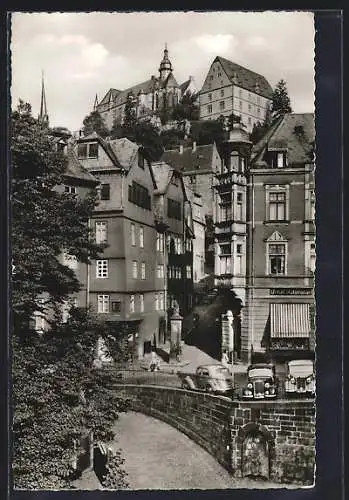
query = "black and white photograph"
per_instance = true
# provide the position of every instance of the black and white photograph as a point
(163, 250)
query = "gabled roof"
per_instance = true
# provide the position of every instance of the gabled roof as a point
(246, 78)
(199, 160)
(170, 81)
(113, 92)
(183, 86)
(294, 132)
(76, 170)
(124, 150)
(162, 175)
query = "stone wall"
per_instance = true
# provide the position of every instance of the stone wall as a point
(286, 429)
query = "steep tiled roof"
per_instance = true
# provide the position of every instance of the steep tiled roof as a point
(170, 81)
(296, 132)
(124, 150)
(201, 159)
(114, 93)
(183, 86)
(162, 174)
(76, 170)
(246, 78)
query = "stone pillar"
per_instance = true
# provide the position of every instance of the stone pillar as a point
(176, 332)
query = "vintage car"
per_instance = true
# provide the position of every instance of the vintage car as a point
(215, 378)
(300, 377)
(261, 382)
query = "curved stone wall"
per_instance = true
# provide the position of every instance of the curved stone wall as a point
(285, 429)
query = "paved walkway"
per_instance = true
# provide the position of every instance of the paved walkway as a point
(157, 456)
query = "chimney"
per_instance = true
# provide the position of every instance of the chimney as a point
(194, 146)
(181, 149)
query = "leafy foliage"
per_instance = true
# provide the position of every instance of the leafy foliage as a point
(281, 103)
(115, 477)
(208, 131)
(95, 123)
(57, 396)
(130, 117)
(187, 109)
(44, 220)
(143, 133)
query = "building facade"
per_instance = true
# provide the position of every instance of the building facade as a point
(279, 311)
(197, 165)
(152, 96)
(230, 88)
(264, 237)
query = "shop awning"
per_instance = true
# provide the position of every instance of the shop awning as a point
(289, 320)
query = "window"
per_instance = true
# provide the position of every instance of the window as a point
(133, 235)
(312, 205)
(249, 120)
(82, 150)
(225, 249)
(105, 192)
(143, 270)
(141, 161)
(240, 104)
(101, 232)
(188, 271)
(141, 237)
(161, 304)
(178, 272)
(280, 160)
(93, 150)
(258, 111)
(209, 109)
(160, 270)
(238, 259)
(225, 213)
(277, 206)
(239, 206)
(40, 321)
(221, 105)
(192, 179)
(276, 258)
(178, 245)
(188, 245)
(249, 107)
(139, 195)
(209, 97)
(70, 260)
(222, 93)
(102, 269)
(103, 304)
(141, 302)
(156, 302)
(225, 264)
(159, 242)
(134, 269)
(132, 303)
(70, 189)
(116, 306)
(174, 209)
(312, 258)
(240, 93)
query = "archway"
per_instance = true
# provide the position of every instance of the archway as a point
(257, 450)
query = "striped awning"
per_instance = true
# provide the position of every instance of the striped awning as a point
(289, 320)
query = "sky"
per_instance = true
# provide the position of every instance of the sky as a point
(84, 54)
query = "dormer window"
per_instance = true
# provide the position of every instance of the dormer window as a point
(88, 150)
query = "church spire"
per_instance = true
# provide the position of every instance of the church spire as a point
(165, 65)
(95, 103)
(43, 116)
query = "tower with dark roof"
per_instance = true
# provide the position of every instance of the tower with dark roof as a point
(165, 65)
(43, 115)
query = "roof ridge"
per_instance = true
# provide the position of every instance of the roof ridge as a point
(243, 67)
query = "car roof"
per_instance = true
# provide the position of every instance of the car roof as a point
(211, 366)
(296, 362)
(261, 365)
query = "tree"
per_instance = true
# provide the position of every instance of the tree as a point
(208, 131)
(95, 123)
(130, 117)
(39, 214)
(186, 109)
(281, 103)
(57, 395)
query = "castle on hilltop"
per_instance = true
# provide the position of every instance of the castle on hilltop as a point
(151, 96)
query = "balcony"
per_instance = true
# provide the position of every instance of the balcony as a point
(227, 178)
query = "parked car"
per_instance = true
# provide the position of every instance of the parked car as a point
(261, 382)
(214, 378)
(300, 377)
